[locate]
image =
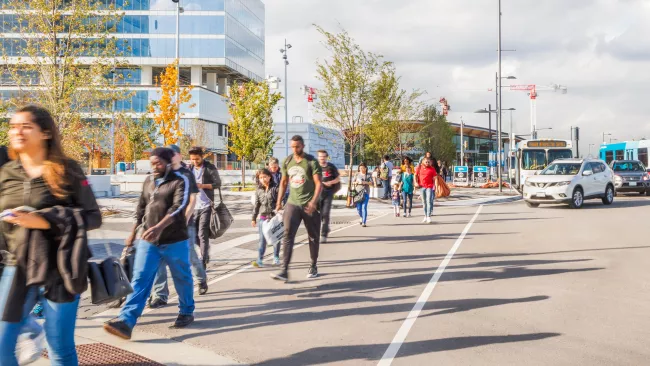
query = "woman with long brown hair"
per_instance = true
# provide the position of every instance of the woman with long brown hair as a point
(44, 195)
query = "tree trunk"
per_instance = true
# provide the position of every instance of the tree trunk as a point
(243, 173)
(349, 201)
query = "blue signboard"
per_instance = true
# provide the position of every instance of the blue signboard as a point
(461, 175)
(480, 175)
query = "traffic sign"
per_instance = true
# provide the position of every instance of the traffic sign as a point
(479, 175)
(461, 177)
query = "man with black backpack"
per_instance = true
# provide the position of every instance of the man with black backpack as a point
(331, 185)
(303, 173)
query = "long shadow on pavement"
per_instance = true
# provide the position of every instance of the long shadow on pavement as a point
(373, 352)
(322, 296)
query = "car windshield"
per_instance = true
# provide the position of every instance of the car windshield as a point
(559, 154)
(533, 159)
(562, 169)
(628, 167)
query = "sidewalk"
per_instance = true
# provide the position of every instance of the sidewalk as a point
(96, 347)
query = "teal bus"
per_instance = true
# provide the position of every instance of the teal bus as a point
(628, 150)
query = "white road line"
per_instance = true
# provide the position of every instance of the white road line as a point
(404, 330)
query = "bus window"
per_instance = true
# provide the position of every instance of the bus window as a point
(533, 160)
(620, 155)
(609, 156)
(559, 154)
(643, 156)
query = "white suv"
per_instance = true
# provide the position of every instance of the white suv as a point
(571, 181)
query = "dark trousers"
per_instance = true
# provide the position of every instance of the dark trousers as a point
(325, 209)
(409, 197)
(293, 216)
(387, 188)
(202, 220)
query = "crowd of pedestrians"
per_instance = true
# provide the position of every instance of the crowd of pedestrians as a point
(44, 196)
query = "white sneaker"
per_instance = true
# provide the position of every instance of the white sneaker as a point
(424, 220)
(428, 220)
(30, 350)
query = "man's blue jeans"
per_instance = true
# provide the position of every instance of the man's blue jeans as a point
(388, 191)
(147, 260)
(160, 288)
(60, 319)
(261, 249)
(428, 196)
(362, 208)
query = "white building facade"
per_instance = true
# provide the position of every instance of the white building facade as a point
(316, 138)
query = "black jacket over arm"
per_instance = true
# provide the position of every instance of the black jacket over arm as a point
(210, 176)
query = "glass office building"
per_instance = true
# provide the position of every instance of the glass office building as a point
(221, 41)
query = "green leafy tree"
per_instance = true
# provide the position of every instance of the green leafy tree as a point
(50, 63)
(4, 138)
(251, 123)
(437, 135)
(139, 135)
(351, 78)
(393, 128)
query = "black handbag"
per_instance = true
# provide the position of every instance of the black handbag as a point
(127, 261)
(108, 281)
(221, 218)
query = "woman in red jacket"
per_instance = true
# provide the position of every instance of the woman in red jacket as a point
(425, 176)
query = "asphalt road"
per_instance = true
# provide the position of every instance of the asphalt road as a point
(491, 285)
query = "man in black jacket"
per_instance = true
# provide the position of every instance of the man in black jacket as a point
(207, 179)
(160, 215)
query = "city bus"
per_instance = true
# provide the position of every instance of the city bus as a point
(532, 156)
(628, 150)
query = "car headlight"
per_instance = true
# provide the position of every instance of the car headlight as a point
(562, 184)
(528, 183)
(618, 178)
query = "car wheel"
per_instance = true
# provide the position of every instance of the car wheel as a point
(609, 196)
(577, 199)
(532, 205)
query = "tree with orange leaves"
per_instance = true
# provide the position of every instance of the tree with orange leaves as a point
(166, 110)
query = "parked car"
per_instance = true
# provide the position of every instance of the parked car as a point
(571, 181)
(630, 176)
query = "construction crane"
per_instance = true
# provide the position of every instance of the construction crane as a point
(532, 92)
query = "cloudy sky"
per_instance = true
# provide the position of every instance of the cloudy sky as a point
(599, 49)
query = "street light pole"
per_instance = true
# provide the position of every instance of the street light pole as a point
(112, 168)
(462, 143)
(178, 59)
(499, 107)
(285, 57)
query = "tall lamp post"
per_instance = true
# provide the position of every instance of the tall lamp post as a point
(489, 112)
(179, 10)
(285, 57)
(606, 134)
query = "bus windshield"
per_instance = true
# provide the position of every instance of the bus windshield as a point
(533, 159)
(559, 154)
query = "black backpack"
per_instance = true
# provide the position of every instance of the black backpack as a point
(4, 156)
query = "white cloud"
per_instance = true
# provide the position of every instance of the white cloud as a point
(598, 48)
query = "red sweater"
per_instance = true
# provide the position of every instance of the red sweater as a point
(424, 176)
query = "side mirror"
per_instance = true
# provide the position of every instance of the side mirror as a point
(587, 173)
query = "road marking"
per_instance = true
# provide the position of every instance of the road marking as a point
(404, 330)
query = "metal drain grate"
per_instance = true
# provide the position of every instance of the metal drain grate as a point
(98, 354)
